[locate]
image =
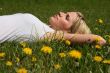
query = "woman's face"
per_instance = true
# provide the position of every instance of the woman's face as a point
(63, 21)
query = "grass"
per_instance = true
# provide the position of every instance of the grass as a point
(92, 10)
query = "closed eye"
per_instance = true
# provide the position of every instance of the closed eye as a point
(67, 17)
(59, 14)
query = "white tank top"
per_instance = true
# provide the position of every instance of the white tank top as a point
(22, 27)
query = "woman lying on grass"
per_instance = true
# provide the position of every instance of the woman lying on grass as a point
(27, 27)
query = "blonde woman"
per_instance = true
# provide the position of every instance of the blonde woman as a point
(27, 27)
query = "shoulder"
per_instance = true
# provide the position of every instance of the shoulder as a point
(23, 14)
(17, 15)
(28, 14)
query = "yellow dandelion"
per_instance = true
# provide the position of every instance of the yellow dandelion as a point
(106, 61)
(57, 66)
(22, 70)
(9, 63)
(46, 49)
(100, 21)
(17, 59)
(34, 59)
(67, 42)
(97, 39)
(23, 44)
(98, 46)
(75, 54)
(2, 54)
(27, 51)
(97, 58)
(62, 55)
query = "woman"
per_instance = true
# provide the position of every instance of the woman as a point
(27, 27)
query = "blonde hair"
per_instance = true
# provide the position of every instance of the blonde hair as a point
(80, 26)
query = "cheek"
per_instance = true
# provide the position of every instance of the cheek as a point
(53, 21)
(65, 24)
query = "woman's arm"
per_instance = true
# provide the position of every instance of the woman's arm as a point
(86, 38)
(76, 38)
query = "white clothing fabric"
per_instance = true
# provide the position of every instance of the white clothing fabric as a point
(22, 26)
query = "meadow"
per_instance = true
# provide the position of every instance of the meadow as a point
(58, 56)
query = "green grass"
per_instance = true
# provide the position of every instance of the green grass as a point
(43, 9)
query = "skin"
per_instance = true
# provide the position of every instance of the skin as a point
(62, 23)
(75, 38)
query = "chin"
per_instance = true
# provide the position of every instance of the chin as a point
(51, 20)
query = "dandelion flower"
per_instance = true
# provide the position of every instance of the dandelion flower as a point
(9, 63)
(98, 46)
(106, 61)
(22, 70)
(27, 51)
(75, 54)
(34, 59)
(67, 42)
(62, 55)
(46, 49)
(2, 54)
(57, 66)
(97, 58)
(97, 39)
